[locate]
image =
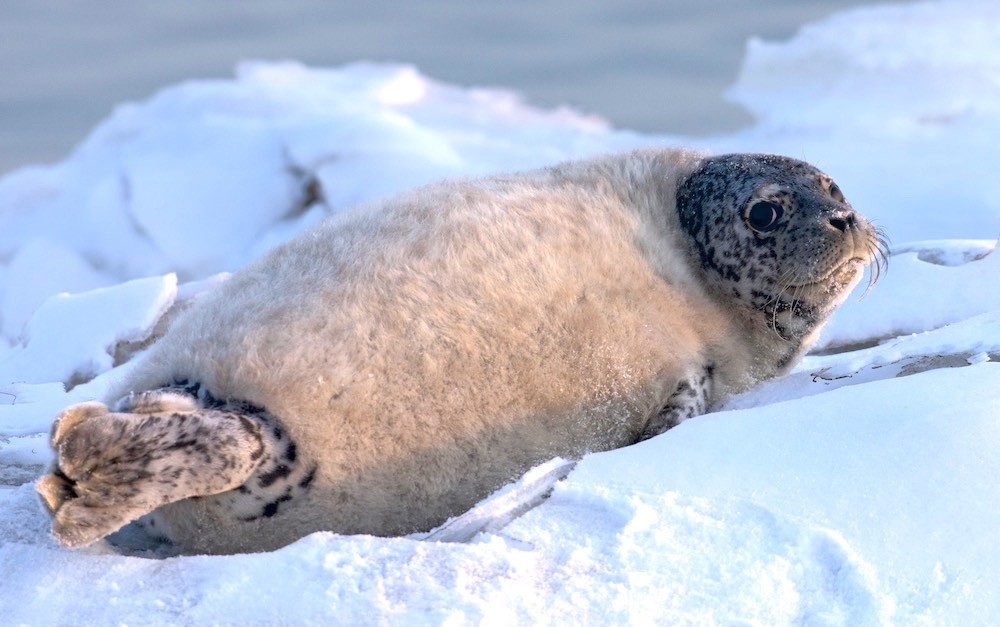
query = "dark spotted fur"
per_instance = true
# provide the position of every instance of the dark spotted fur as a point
(750, 264)
(280, 476)
(690, 399)
(768, 269)
(165, 445)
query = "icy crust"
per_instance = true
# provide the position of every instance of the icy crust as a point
(72, 337)
(864, 47)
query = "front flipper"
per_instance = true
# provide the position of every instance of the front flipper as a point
(689, 399)
(114, 467)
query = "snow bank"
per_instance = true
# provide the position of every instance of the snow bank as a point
(860, 489)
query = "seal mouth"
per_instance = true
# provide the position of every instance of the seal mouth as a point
(868, 249)
(840, 273)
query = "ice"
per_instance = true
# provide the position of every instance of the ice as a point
(38, 269)
(860, 489)
(73, 337)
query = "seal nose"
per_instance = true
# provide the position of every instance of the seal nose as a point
(844, 221)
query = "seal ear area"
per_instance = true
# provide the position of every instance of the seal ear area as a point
(832, 189)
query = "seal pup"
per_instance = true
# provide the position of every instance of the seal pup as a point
(393, 366)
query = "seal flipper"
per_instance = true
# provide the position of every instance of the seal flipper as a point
(162, 446)
(689, 399)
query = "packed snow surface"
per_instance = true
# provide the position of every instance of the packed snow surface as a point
(862, 488)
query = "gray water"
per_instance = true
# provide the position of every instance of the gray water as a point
(646, 65)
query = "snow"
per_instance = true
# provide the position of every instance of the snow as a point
(939, 295)
(859, 489)
(110, 316)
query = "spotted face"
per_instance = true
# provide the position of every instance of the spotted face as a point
(777, 235)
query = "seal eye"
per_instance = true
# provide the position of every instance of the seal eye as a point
(764, 216)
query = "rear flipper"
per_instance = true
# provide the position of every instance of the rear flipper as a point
(162, 446)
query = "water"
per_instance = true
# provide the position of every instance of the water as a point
(653, 66)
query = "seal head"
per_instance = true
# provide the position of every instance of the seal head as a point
(776, 236)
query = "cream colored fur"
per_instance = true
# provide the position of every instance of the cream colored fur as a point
(427, 349)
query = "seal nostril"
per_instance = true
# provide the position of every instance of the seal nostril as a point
(843, 223)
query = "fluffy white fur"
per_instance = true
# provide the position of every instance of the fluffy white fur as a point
(430, 348)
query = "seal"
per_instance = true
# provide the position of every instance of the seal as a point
(390, 368)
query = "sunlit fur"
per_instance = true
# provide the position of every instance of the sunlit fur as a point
(427, 349)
